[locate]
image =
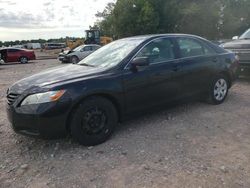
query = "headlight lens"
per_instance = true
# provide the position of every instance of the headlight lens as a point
(43, 97)
(221, 45)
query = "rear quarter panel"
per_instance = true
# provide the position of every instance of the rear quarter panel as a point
(229, 65)
(29, 54)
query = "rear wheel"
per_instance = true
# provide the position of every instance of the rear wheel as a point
(23, 60)
(74, 59)
(94, 121)
(218, 90)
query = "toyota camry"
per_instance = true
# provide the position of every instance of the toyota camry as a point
(127, 76)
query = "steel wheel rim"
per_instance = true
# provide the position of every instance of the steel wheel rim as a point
(23, 60)
(94, 121)
(74, 60)
(220, 89)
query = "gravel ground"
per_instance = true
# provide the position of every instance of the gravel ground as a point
(190, 145)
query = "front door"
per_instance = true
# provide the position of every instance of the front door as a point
(12, 55)
(154, 84)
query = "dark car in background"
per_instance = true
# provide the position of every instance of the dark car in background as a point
(77, 54)
(16, 55)
(241, 47)
(121, 79)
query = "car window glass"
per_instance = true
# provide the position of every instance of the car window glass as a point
(190, 48)
(13, 50)
(159, 50)
(208, 50)
(87, 48)
(95, 47)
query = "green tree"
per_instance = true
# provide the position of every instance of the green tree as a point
(211, 19)
(236, 17)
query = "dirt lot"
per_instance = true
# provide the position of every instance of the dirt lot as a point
(191, 145)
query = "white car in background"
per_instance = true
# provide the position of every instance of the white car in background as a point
(77, 54)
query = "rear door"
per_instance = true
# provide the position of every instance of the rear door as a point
(196, 64)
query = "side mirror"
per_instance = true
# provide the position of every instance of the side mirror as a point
(140, 62)
(235, 38)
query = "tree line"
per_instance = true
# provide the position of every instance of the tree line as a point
(217, 19)
(41, 41)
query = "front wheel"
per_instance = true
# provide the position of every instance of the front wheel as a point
(218, 90)
(74, 60)
(94, 121)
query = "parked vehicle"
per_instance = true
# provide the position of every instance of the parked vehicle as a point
(17, 55)
(119, 80)
(77, 54)
(52, 46)
(241, 47)
(33, 46)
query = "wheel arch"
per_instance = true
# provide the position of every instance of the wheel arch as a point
(19, 59)
(109, 97)
(228, 76)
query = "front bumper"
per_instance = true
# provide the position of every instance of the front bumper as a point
(64, 59)
(44, 120)
(244, 60)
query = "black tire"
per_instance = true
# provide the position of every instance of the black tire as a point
(93, 121)
(74, 59)
(23, 60)
(217, 95)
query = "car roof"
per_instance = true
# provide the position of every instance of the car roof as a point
(7, 48)
(90, 45)
(145, 37)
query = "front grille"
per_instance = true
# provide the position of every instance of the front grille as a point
(11, 98)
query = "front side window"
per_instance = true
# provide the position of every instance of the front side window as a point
(87, 48)
(190, 48)
(159, 50)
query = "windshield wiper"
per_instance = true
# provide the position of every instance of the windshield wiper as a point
(85, 64)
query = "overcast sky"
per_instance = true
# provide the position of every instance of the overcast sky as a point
(33, 19)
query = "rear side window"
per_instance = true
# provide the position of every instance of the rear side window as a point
(13, 50)
(159, 50)
(189, 48)
(95, 47)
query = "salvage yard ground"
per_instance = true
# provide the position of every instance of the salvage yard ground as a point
(190, 145)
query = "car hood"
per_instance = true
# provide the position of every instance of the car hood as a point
(65, 52)
(237, 44)
(54, 76)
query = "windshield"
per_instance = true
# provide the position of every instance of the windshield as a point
(111, 54)
(245, 35)
(78, 48)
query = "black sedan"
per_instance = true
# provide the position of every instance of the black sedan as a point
(119, 80)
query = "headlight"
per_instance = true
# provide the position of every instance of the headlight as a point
(43, 97)
(221, 45)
